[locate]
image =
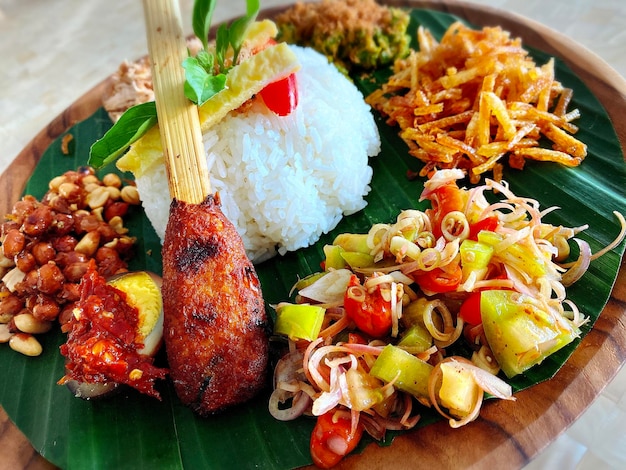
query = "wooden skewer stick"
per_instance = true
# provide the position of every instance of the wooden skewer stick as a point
(179, 125)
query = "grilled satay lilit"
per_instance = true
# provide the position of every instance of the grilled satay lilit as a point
(214, 316)
(215, 319)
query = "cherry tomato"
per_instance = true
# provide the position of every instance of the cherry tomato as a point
(445, 199)
(281, 97)
(332, 438)
(371, 314)
(470, 309)
(488, 223)
(438, 280)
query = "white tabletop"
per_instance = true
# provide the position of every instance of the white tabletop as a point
(54, 51)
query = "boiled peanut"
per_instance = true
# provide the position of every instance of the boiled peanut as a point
(27, 323)
(63, 224)
(13, 243)
(65, 243)
(117, 223)
(114, 192)
(90, 187)
(130, 194)
(70, 191)
(26, 344)
(111, 179)
(45, 308)
(23, 208)
(89, 243)
(75, 271)
(97, 198)
(116, 209)
(43, 252)
(50, 278)
(10, 305)
(88, 179)
(57, 181)
(38, 222)
(25, 262)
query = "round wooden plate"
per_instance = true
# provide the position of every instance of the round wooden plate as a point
(508, 433)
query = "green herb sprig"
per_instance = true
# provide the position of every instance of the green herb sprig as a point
(131, 126)
(206, 72)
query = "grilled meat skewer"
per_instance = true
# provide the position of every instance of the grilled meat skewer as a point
(215, 322)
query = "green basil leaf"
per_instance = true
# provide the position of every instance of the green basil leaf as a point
(201, 19)
(238, 27)
(195, 77)
(213, 85)
(133, 124)
(221, 44)
(201, 85)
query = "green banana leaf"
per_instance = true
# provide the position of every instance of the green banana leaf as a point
(133, 431)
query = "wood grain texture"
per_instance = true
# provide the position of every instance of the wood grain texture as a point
(508, 434)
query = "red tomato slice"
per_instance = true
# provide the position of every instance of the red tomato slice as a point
(371, 313)
(332, 439)
(470, 309)
(445, 199)
(438, 280)
(488, 223)
(281, 97)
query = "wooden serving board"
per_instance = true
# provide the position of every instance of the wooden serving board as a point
(508, 434)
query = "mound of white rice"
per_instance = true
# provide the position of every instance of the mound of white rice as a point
(284, 181)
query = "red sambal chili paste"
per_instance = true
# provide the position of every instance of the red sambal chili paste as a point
(103, 341)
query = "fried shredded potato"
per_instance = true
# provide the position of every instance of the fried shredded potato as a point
(476, 97)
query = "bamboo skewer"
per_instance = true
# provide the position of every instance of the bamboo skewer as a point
(179, 124)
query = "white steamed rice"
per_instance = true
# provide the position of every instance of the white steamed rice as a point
(284, 181)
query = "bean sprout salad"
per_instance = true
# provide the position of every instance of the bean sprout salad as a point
(368, 337)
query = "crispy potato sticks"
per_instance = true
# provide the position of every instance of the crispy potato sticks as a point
(475, 97)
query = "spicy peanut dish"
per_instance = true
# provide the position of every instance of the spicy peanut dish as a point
(412, 229)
